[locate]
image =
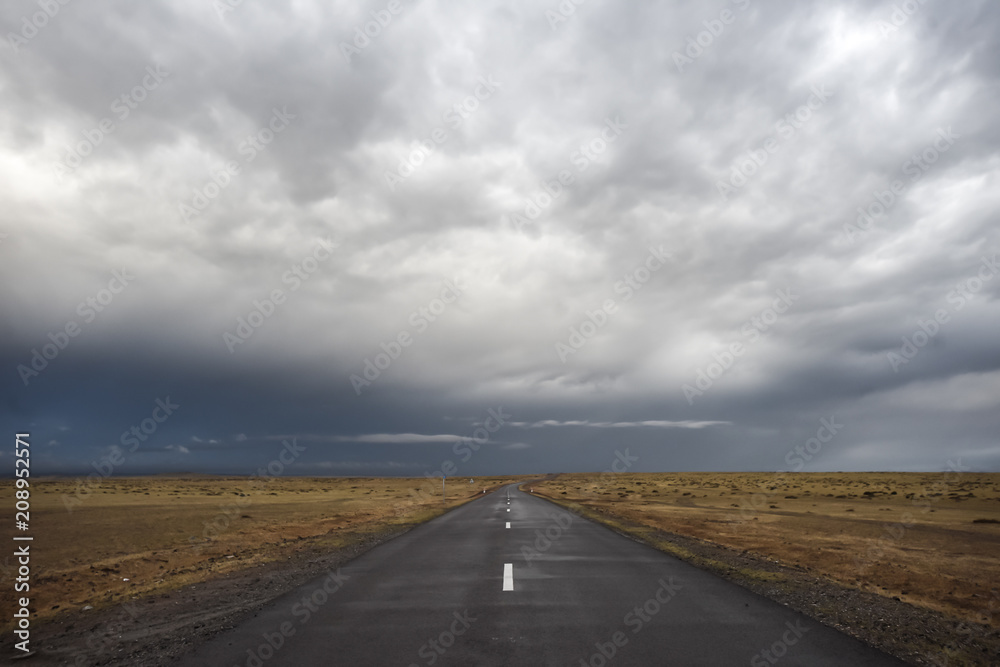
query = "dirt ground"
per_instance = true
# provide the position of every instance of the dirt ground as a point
(922, 542)
(143, 568)
(135, 563)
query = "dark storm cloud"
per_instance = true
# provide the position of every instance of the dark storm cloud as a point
(686, 232)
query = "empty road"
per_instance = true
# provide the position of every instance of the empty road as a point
(524, 582)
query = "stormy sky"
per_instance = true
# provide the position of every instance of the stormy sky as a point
(399, 237)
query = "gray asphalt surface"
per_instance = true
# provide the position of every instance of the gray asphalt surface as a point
(581, 595)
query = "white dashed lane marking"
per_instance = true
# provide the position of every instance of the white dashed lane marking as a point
(508, 576)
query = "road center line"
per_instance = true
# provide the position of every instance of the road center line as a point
(508, 524)
(508, 576)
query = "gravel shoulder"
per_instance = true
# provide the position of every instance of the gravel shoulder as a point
(153, 631)
(916, 635)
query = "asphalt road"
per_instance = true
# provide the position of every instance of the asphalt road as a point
(552, 589)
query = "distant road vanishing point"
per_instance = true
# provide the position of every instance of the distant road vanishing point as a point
(511, 579)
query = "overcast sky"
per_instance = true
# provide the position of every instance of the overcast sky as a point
(400, 237)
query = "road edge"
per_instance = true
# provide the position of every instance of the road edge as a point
(915, 635)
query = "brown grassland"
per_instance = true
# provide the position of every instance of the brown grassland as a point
(930, 539)
(132, 537)
(918, 541)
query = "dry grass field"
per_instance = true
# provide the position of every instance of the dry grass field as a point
(130, 537)
(932, 540)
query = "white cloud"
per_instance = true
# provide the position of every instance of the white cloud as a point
(655, 183)
(398, 438)
(637, 424)
(516, 445)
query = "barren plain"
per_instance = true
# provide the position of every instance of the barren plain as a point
(823, 542)
(194, 551)
(907, 562)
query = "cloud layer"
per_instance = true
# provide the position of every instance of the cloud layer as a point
(689, 231)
